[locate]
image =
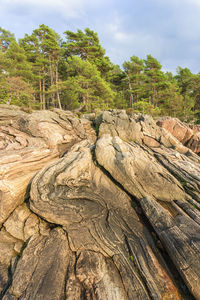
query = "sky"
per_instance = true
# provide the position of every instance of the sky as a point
(169, 30)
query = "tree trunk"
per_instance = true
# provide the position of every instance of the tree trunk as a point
(41, 98)
(52, 77)
(130, 88)
(43, 94)
(9, 99)
(57, 91)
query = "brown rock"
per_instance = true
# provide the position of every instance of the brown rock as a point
(189, 137)
(194, 143)
(178, 129)
(98, 217)
(30, 141)
(136, 169)
(115, 219)
(34, 278)
(14, 225)
(181, 237)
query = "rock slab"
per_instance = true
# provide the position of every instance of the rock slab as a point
(112, 216)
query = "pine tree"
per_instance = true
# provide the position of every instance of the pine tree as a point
(6, 37)
(17, 64)
(85, 87)
(156, 80)
(43, 50)
(116, 77)
(196, 95)
(135, 78)
(16, 76)
(18, 92)
(171, 103)
(86, 46)
(185, 82)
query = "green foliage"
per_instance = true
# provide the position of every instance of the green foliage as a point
(15, 76)
(43, 50)
(119, 101)
(6, 37)
(186, 82)
(17, 63)
(42, 71)
(86, 86)
(183, 183)
(135, 79)
(146, 107)
(17, 92)
(23, 248)
(86, 46)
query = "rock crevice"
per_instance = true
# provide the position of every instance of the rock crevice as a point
(103, 213)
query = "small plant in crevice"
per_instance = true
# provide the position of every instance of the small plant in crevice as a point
(195, 206)
(96, 123)
(183, 183)
(96, 127)
(134, 204)
(23, 247)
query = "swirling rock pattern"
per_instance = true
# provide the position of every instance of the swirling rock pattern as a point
(117, 218)
(27, 143)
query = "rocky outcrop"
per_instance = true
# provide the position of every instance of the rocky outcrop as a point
(116, 218)
(27, 143)
(189, 136)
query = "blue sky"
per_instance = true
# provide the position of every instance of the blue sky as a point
(169, 30)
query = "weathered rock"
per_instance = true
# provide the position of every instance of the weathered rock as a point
(41, 272)
(21, 225)
(114, 219)
(180, 235)
(141, 170)
(194, 143)
(98, 216)
(27, 143)
(189, 137)
(141, 175)
(136, 169)
(15, 223)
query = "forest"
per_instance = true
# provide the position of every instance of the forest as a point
(44, 71)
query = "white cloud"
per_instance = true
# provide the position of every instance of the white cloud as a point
(68, 8)
(127, 42)
(52, 3)
(116, 31)
(167, 29)
(190, 2)
(178, 2)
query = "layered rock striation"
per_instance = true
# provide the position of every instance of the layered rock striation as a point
(187, 135)
(111, 214)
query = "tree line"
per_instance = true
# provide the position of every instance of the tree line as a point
(42, 71)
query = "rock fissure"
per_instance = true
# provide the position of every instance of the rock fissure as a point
(113, 219)
(166, 260)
